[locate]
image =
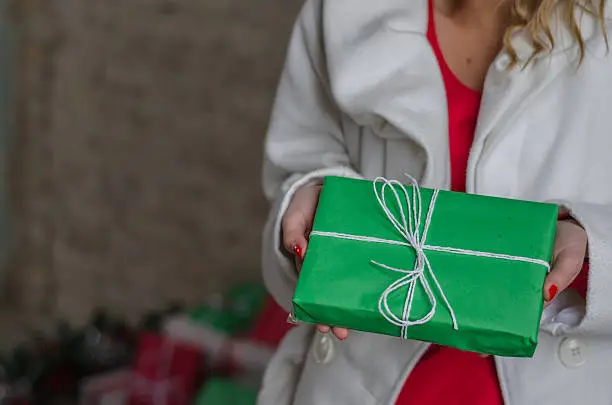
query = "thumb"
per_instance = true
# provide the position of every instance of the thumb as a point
(566, 267)
(294, 239)
(568, 258)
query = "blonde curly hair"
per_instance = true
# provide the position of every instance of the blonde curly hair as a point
(534, 16)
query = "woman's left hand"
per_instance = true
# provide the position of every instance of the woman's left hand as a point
(569, 253)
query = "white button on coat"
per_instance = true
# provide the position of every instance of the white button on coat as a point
(572, 352)
(323, 348)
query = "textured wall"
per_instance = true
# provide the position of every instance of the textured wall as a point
(137, 170)
(7, 121)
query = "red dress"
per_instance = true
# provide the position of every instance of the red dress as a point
(448, 376)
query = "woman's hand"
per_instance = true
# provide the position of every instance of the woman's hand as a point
(569, 253)
(296, 225)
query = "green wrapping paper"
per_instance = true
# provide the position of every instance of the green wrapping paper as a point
(489, 256)
(226, 392)
(237, 311)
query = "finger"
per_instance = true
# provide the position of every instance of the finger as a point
(294, 240)
(567, 266)
(323, 328)
(341, 333)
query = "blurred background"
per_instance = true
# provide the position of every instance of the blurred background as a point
(130, 139)
(135, 163)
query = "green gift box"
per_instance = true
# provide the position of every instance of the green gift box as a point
(458, 270)
(226, 392)
(237, 311)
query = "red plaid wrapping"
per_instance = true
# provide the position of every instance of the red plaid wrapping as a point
(166, 372)
(247, 357)
(106, 389)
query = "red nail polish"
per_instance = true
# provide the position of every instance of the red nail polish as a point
(298, 251)
(552, 291)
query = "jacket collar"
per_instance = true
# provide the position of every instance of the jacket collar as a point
(380, 68)
(380, 71)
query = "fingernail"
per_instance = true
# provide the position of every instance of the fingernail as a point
(298, 251)
(344, 335)
(552, 292)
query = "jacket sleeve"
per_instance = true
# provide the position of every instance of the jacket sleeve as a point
(570, 315)
(304, 142)
(597, 221)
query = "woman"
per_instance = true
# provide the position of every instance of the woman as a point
(508, 98)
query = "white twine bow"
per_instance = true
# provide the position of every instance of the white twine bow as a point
(408, 225)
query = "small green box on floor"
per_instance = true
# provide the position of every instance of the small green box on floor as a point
(454, 269)
(237, 311)
(226, 392)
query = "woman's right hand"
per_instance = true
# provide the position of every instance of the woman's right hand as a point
(296, 226)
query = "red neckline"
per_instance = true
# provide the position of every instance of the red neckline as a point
(432, 36)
